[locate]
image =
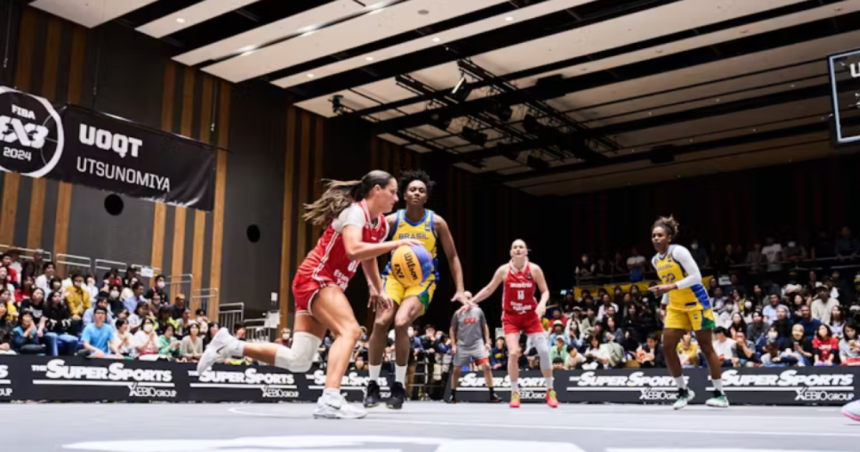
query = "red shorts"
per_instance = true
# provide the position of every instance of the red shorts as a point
(305, 289)
(482, 361)
(529, 322)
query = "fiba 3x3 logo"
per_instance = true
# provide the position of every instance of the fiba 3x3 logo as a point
(31, 133)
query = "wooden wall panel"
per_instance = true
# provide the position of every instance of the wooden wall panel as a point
(160, 216)
(303, 176)
(199, 244)
(224, 98)
(318, 168)
(285, 296)
(181, 213)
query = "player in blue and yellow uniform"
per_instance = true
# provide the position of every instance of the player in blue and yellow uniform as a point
(416, 223)
(687, 308)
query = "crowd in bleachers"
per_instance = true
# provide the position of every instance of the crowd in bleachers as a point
(45, 313)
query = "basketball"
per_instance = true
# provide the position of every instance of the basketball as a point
(411, 265)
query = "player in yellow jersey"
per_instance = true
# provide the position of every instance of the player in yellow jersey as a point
(423, 225)
(687, 308)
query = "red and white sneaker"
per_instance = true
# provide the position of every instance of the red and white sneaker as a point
(852, 410)
(515, 400)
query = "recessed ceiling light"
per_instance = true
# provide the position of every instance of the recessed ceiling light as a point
(509, 19)
(308, 33)
(180, 20)
(436, 39)
(377, 11)
(310, 76)
(370, 58)
(246, 49)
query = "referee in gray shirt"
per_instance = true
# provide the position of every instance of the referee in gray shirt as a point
(471, 338)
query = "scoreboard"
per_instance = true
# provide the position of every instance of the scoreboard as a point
(845, 94)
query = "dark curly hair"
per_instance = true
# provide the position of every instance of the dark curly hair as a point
(410, 176)
(669, 225)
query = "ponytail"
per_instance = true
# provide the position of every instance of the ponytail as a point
(339, 195)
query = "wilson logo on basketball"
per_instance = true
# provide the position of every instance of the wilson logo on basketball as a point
(410, 265)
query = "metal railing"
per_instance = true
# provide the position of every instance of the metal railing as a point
(69, 260)
(204, 299)
(26, 253)
(178, 284)
(230, 314)
(104, 265)
(257, 331)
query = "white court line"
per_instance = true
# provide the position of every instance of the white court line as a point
(584, 428)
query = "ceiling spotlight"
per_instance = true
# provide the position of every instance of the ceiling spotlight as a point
(377, 11)
(180, 20)
(308, 33)
(440, 121)
(246, 49)
(337, 104)
(310, 76)
(436, 39)
(473, 136)
(370, 58)
(509, 19)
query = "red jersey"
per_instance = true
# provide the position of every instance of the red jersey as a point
(328, 262)
(519, 296)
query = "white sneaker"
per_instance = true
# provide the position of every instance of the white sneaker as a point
(682, 402)
(217, 351)
(852, 410)
(331, 406)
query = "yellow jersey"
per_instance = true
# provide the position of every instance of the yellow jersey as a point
(671, 268)
(424, 231)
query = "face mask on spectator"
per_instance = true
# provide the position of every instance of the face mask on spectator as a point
(78, 284)
(91, 282)
(694, 246)
(772, 335)
(160, 284)
(748, 304)
(729, 306)
(147, 328)
(286, 336)
(56, 286)
(114, 294)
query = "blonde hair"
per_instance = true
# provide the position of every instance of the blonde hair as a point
(339, 195)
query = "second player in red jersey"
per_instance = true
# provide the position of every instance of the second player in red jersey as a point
(522, 313)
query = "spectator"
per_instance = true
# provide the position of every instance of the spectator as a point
(160, 283)
(285, 339)
(636, 294)
(113, 294)
(184, 324)
(725, 348)
(125, 341)
(742, 305)
(61, 329)
(837, 321)
(737, 325)
(794, 252)
(773, 254)
(573, 334)
(619, 265)
(688, 351)
(6, 284)
(700, 255)
(823, 305)
(145, 340)
(772, 336)
(25, 337)
(589, 321)
(6, 300)
(26, 290)
(847, 247)
(156, 302)
(595, 357)
(724, 313)
(825, 346)
(556, 316)
(168, 345)
(90, 286)
(757, 329)
(612, 332)
(178, 307)
(88, 318)
(14, 265)
(557, 331)
(651, 354)
(797, 302)
(131, 302)
(56, 285)
(191, 347)
(12, 274)
(771, 356)
(606, 303)
(586, 268)
(769, 312)
(130, 277)
(499, 355)
(558, 349)
(756, 259)
(360, 364)
(135, 320)
(99, 338)
(747, 356)
(849, 346)
(212, 330)
(573, 360)
(165, 318)
(603, 267)
(800, 346)
(636, 265)
(810, 325)
(202, 320)
(76, 297)
(5, 332)
(36, 308)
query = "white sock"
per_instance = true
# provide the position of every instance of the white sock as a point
(515, 387)
(400, 374)
(331, 391)
(549, 383)
(718, 384)
(237, 348)
(681, 382)
(374, 372)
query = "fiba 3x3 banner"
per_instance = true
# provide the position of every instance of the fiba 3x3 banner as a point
(93, 380)
(81, 146)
